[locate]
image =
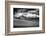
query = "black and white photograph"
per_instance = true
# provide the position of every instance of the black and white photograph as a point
(25, 17)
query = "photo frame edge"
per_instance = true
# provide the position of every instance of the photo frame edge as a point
(6, 31)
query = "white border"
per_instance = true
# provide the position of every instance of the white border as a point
(25, 29)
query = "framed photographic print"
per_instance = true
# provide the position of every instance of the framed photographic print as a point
(24, 18)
